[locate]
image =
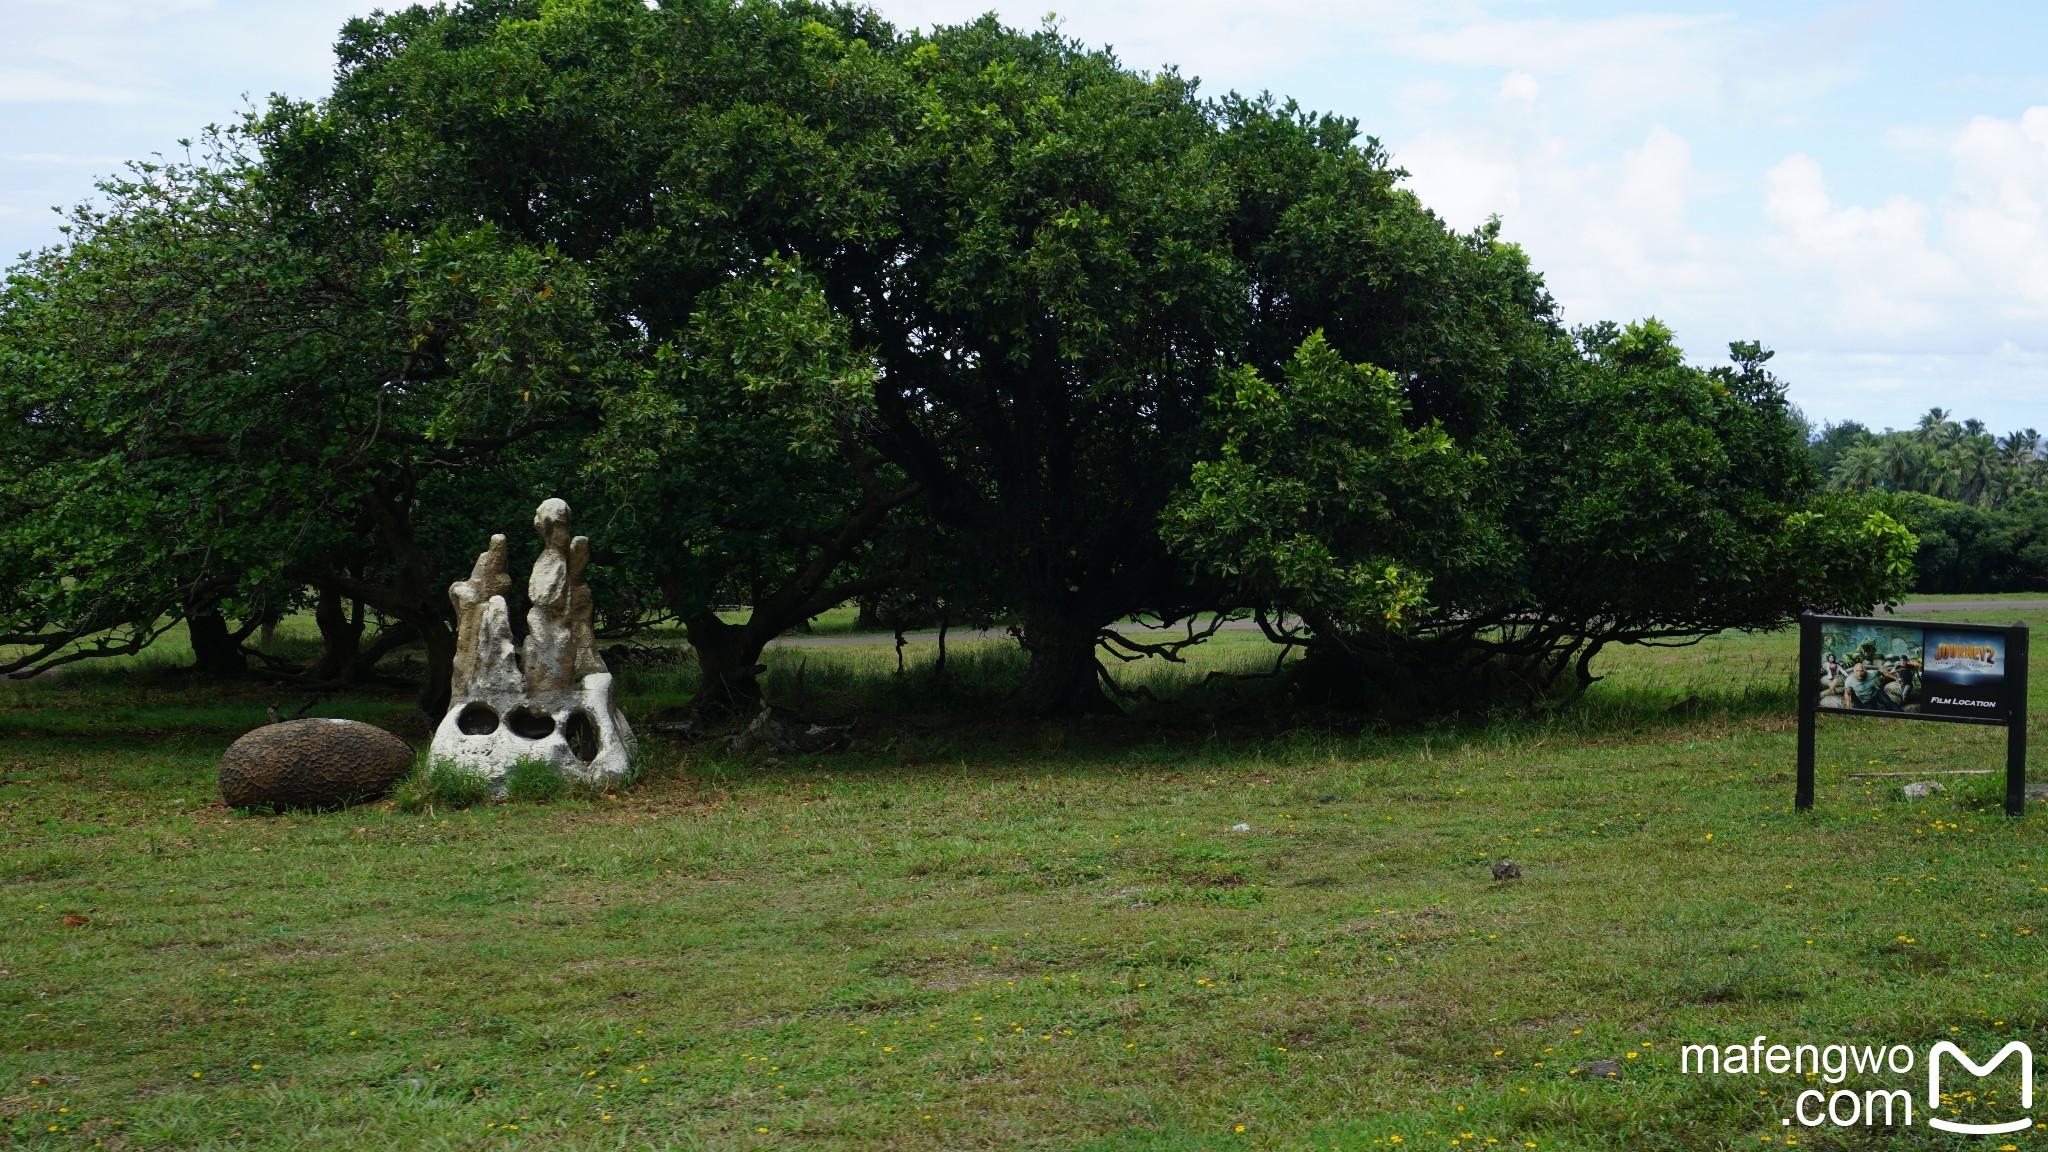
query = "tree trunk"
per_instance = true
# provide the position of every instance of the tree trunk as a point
(729, 655)
(395, 635)
(870, 618)
(216, 653)
(1063, 678)
(341, 632)
(439, 685)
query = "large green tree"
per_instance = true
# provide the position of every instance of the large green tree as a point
(688, 158)
(739, 471)
(1638, 500)
(835, 309)
(1048, 257)
(222, 390)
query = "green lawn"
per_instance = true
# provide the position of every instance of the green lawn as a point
(1937, 597)
(966, 934)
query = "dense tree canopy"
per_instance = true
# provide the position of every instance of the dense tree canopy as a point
(213, 397)
(799, 307)
(1957, 460)
(1975, 500)
(740, 472)
(1642, 500)
(1049, 257)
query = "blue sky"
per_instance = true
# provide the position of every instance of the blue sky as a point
(1863, 187)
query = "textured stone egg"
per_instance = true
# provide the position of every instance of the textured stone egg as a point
(320, 763)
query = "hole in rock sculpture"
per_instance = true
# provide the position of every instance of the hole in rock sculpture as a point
(581, 732)
(477, 720)
(530, 724)
(553, 690)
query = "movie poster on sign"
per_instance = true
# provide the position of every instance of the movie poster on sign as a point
(1872, 667)
(1965, 673)
(1953, 673)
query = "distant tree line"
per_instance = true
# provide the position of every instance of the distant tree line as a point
(1959, 461)
(795, 308)
(1977, 501)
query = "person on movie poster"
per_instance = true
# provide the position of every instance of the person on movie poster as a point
(1906, 686)
(1867, 686)
(1873, 667)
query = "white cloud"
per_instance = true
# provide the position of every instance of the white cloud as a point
(1427, 93)
(1520, 87)
(1554, 45)
(1616, 68)
(127, 52)
(1226, 42)
(2000, 385)
(21, 86)
(1999, 224)
(1967, 271)
(1612, 67)
(1463, 178)
(1627, 152)
(1611, 232)
(1869, 274)
(93, 160)
(121, 10)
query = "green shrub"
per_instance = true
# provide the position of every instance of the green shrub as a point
(440, 782)
(534, 781)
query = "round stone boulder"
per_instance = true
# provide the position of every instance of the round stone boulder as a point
(317, 763)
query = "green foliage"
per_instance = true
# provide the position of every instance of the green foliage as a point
(1960, 461)
(1978, 549)
(1043, 258)
(974, 324)
(440, 783)
(1855, 554)
(711, 149)
(739, 446)
(1322, 500)
(1978, 503)
(223, 389)
(534, 782)
(1653, 499)
(1637, 500)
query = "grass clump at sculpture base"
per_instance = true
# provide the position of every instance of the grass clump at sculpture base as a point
(986, 934)
(440, 783)
(534, 782)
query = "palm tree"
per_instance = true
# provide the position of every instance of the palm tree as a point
(1939, 476)
(1935, 428)
(1976, 466)
(1900, 461)
(2032, 474)
(1859, 469)
(1941, 456)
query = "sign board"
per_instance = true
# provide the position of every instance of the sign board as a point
(1914, 670)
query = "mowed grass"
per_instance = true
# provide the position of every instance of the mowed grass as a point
(969, 934)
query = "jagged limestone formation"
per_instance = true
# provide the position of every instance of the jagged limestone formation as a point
(551, 701)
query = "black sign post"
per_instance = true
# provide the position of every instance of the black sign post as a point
(1914, 670)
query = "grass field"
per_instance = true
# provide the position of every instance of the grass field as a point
(968, 934)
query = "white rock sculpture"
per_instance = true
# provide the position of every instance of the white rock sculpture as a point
(551, 701)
